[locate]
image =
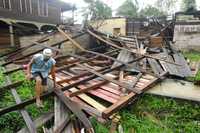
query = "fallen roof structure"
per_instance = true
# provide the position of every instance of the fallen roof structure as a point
(98, 84)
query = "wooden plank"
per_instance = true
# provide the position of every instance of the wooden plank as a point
(88, 51)
(172, 69)
(124, 56)
(184, 69)
(61, 113)
(9, 86)
(92, 87)
(74, 108)
(101, 94)
(62, 126)
(39, 121)
(112, 90)
(121, 102)
(124, 100)
(25, 56)
(90, 110)
(122, 48)
(86, 98)
(109, 79)
(155, 66)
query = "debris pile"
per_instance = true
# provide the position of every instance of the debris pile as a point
(99, 82)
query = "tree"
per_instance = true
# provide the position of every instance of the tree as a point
(151, 11)
(97, 10)
(128, 9)
(188, 5)
(166, 6)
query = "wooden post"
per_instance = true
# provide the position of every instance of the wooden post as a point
(12, 39)
(61, 114)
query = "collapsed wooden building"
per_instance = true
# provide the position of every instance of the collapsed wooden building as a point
(98, 81)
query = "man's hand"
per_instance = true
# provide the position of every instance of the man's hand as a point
(54, 83)
(53, 76)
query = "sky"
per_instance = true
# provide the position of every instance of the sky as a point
(114, 4)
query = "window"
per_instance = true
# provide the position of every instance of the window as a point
(43, 8)
(26, 6)
(116, 31)
(23, 6)
(5, 4)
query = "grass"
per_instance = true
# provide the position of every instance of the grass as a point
(193, 56)
(13, 121)
(153, 114)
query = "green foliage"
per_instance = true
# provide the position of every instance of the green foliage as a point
(188, 5)
(128, 9)
(13, 121)
(166, 6)
(193, 56)
(151, 11)
(153, 114)
(97, 10)
(98, 127)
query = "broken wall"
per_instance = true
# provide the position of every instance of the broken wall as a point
(111, 26)
(65, 47)
(187, 37)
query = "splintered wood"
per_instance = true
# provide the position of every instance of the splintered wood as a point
(99, 84)
(103, 96)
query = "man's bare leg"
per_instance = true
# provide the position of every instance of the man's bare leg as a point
(38, 91)
(44, 87)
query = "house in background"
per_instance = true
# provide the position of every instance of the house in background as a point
(128, 26)
(187, 31)
(119, 25)
(35, 14)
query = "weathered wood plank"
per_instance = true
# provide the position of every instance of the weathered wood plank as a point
(39, 121)
(124, 100)
(184, 69)
(109, 79)
(74, 108)
(155, 66)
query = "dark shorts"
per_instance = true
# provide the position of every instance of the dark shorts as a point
(36, 74)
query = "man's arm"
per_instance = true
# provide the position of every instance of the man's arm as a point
(29, 68)
(53, 74)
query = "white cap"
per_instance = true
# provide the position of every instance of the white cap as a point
(47, 52)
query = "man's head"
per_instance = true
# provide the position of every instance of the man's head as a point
(47, 54)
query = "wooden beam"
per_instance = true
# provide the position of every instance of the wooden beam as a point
(109, 79)
(95, 86)
(116, 46)
(39, 121)
(52, 45)
(10, 86)
(79, 76)
(68, 37)
(88, 51)
(124, 100)
(74, 108)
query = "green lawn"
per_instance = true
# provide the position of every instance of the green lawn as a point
(13, 121)
(193, 56)
(153, 114)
